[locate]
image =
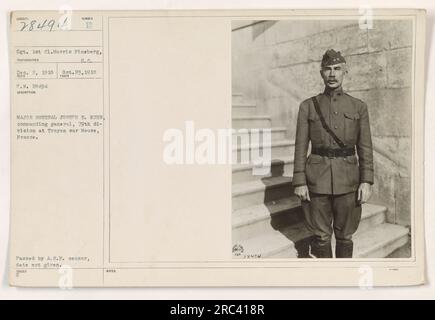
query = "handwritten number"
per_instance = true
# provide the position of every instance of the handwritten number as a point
(64, 25)
(51, 24)
(32, 25)
(48, 25)
(66, 16)
(41, 25)
(24, 25)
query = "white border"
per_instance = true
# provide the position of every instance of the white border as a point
(6, 292)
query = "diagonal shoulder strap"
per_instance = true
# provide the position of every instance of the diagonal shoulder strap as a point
(325, 125)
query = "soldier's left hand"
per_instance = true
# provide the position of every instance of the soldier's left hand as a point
(364, 192)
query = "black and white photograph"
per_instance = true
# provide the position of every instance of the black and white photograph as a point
(328, 105)
(218, 148)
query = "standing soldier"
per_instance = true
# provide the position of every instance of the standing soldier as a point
(333, 181)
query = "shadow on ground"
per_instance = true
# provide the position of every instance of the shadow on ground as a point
(289, 222)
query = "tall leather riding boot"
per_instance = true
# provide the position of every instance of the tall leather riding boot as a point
(344, 249)
(321, 249)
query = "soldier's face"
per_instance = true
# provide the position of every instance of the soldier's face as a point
(333, 75)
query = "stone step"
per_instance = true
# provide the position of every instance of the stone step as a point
(246, 172)
(293, 242)
(253, 221)
(248, 122)
(261, 191)
(372, 215)
(260, 219)
(245, 154)
(243, 109)
(274, 244)
(242, 136)
(380, 241)
(237, 97)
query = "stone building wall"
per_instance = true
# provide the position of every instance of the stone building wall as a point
(276, 64)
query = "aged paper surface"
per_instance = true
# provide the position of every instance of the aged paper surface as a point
(98, 199)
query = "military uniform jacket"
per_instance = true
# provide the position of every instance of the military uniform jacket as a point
(348, 118)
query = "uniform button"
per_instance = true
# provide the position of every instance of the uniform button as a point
(335, 112)
(334, 99)
(335, 127)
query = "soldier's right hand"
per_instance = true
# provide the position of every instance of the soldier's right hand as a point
(302, 193)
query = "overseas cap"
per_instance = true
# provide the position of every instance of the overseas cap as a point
(332, 57)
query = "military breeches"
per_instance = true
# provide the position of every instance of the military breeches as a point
(326, 214)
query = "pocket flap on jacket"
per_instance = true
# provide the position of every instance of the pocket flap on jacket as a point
(352, 116)
(313, 116)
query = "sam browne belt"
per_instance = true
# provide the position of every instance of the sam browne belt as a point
(344, 151)
(333, 153)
